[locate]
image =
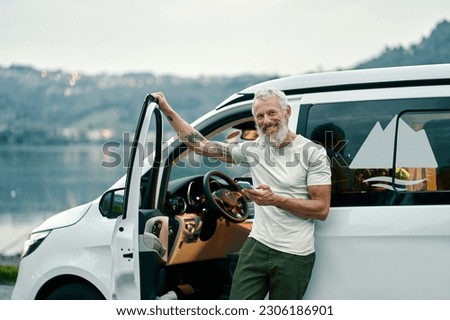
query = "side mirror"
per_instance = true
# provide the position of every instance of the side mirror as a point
(111, 203)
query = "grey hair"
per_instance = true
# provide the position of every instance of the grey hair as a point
(267, 93)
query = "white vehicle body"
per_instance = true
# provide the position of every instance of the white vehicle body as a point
(387, 235)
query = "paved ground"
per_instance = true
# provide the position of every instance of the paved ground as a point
(5, 292)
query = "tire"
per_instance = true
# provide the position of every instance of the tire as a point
(76, 291)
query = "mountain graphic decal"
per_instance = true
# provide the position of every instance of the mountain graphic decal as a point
(377, 152)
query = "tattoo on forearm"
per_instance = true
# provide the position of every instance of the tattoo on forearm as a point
(194, 137)
(169, 118)
(215, 147)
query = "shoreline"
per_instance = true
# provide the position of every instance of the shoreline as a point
(6, 291)
(10, 260)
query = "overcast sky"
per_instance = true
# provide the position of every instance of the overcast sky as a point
(209, 37)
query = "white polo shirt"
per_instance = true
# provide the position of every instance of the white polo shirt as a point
(288, 171)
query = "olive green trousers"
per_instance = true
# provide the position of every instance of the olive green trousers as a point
(261, 270)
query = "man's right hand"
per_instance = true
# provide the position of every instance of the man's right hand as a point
(162, 101)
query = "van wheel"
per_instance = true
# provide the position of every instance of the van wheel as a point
(76, 291)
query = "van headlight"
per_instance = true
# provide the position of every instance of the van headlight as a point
(33, 242)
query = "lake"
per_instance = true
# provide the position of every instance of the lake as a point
(39, 181)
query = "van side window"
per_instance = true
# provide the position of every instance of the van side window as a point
(386, 152)
(422, 157)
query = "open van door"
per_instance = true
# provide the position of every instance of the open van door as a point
(128, 237)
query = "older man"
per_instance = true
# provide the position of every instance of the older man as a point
(293, 189)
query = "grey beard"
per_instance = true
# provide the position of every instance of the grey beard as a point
(278, 138)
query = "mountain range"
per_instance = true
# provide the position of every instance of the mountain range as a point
(60, 107)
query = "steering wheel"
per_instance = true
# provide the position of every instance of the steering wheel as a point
(229, 202)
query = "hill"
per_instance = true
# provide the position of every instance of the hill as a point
(52, 107)
(431, 50)
(56, 106)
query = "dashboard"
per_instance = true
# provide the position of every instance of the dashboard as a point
(187, 195)
(194, 232)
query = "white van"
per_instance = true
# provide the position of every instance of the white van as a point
(161, 227)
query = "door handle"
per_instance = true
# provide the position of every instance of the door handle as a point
(128, 255)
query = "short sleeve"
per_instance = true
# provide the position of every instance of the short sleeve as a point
(235, 150)
(319, 171)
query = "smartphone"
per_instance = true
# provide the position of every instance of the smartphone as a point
(245, 185)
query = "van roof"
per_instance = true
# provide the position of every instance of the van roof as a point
(433, 74)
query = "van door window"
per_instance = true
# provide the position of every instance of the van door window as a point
(379, 151)
(422, 157)
(191, 164)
